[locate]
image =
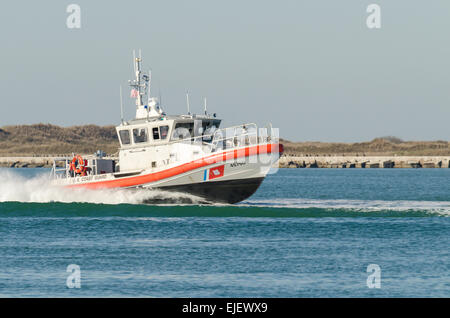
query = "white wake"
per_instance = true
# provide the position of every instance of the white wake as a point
(440, 207)
(17, 188)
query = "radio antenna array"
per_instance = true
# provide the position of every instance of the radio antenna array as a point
(121, 105)
(187, 102)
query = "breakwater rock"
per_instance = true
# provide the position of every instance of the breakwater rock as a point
(290, 162)
(26, 162)
(364, 162)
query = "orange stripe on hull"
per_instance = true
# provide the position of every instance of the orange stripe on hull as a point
(196, 164)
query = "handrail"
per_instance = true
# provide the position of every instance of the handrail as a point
(210, 135)
(191, 139)
(219, 139)
(66, 169)
(252, 129)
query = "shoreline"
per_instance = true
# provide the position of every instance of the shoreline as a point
(334, 161)
(289, 162)
(27, 162)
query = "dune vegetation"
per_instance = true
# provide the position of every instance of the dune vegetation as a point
(383, 146)
(52, 140)
(47, 139)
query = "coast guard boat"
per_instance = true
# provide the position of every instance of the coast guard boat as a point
(184, 153)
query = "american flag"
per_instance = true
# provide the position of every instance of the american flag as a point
(134, 93)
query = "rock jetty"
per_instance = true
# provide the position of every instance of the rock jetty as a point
(364, 162)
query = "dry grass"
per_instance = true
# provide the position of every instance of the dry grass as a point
(46, 139)
(385, 146)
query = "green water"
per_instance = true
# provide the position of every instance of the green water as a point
(305, 233)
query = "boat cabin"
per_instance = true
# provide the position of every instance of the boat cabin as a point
(145, 133)
(155, 142)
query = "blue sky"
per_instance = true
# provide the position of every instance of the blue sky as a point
(311, 68)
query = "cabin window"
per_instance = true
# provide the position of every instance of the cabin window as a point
(183, 130)
(125, 137)
(164, 131)
(140, 135)
(209, 127)
(155, 133)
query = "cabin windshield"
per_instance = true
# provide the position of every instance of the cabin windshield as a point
(140, 135)
(163, 131)
(125, 137)
(184, 130)
(209, 127)
(155, 133)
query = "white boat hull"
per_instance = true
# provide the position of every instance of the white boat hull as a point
(228, 176)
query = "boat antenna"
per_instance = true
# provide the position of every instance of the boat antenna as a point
(159, 92)
(204, 105)
(149, 83)
(136, 84)
(187, 102)
(121, 105)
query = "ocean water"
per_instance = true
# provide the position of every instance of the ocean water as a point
(304, 233)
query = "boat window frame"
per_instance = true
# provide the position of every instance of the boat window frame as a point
(209, 127)
(161, 134)
(139, 129)
(189, 129)
(121, 139)
(155, 129)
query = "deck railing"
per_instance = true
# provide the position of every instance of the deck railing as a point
(231, 137)
(219, 140)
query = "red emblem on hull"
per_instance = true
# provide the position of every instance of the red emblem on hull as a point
(216, 172)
